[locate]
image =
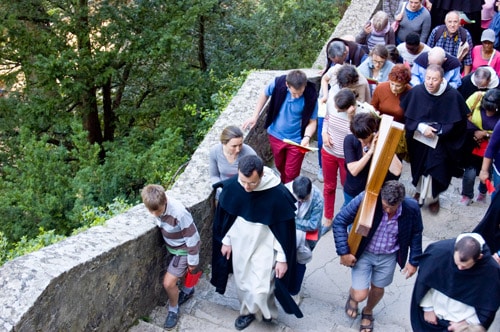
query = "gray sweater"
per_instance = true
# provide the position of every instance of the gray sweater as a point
(420, 24)
(219, 168)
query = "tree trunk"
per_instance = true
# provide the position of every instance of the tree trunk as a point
(88, 101)
(109, 116)
(201, 43)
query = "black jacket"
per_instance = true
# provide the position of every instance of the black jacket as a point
(274, 207)
(478, 286)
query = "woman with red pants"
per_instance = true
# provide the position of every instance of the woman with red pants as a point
(335, 128)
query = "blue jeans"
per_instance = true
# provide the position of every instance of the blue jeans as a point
(468, 183)
(320, 139)
(347, 199)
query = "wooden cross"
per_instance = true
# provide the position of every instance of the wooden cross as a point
(390, 133)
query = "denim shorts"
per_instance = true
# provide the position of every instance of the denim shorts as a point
(377, 269)
(178, 266)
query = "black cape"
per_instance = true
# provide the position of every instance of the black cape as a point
(274, 207)
(447, 113)
(450, 63)
(489, 227)
(478, 286)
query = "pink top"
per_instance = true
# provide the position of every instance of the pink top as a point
(477, 59)
(487, 13)
(488, 10)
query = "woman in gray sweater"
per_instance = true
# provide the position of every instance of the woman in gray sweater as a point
(414, 18)
(224, 157)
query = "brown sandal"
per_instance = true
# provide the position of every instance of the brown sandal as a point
(353, 309)
(367, 327)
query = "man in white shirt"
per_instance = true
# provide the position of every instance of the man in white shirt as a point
(412, 48)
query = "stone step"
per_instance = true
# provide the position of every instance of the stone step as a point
(209, 311)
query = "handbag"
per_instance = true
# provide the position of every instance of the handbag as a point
(481, 149)
(395, 24)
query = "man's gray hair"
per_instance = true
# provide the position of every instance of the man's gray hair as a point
(302, 186)
(436, 68)
(482, 74)
(336, 49)
(393, 192)
(437, 55)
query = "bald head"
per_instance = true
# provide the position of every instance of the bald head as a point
(437, 56)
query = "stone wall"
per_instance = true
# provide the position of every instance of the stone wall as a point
(107, 277)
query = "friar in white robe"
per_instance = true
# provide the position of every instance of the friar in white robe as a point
(254, 238)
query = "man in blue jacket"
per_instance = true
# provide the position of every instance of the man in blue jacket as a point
(397, 226)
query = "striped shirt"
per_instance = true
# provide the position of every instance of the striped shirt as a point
(179, 231)
(336, 124)
(385, 238)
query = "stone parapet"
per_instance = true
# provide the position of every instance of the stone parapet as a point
(101, 279)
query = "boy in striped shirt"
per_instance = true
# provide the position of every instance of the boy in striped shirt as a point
(182, 241)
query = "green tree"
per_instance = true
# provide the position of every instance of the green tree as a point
(105, 96)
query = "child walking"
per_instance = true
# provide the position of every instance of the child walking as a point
(182, 241)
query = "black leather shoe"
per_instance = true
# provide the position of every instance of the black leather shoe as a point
(417, 198)
(434, 207)
(183, 297)
(243, 321)
(267, 320)
(171, 321)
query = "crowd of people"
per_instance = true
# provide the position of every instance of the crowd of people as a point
(431, 66)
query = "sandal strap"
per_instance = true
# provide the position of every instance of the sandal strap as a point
(367, 316)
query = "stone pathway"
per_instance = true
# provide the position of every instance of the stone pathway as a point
(326, 281)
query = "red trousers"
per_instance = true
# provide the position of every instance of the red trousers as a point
(287, 158)
(331, 164)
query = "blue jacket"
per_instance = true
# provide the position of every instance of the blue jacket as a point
(311, 221)
(451, 68)
(409, 229)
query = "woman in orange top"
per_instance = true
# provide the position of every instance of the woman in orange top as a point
(386, 99)
(387, 94)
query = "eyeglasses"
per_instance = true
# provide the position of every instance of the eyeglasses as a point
(378, 62)
(250, 184)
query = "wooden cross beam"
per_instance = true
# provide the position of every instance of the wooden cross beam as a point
(390, 133)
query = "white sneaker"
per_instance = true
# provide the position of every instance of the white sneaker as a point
(297, 298)
(481, 198)
(320, 175)
(465, 201)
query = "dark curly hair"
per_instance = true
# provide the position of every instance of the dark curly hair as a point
(347, 76)
(363, 125)
(491, 100)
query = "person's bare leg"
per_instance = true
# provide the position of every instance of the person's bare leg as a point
(355, 296)
(170, 285)
(374, 296)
